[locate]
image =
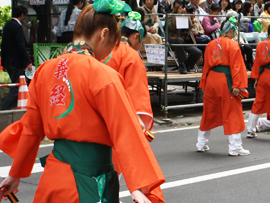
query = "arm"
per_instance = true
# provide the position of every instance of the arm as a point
(125, 133)
(256, 65)
(20, 41)
(206, 66)
(137, 87)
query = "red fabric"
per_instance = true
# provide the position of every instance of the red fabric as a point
(262, 101)
(126, 61)
(108, 118)
(220, 107)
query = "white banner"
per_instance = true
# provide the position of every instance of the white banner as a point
(37, 2)
(58, 2)
(155, 53)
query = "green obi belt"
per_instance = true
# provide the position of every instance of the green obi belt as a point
(264, 67)
(227, 71)
(91, 163)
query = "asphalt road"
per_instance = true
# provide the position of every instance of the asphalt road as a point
(194, 177)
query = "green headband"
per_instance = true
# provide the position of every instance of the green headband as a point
(227, 27)
(134, 23)
(111, 6)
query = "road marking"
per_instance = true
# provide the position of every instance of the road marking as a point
(38, 168)
(4, 170)
(179, 129)
(207, 177)
(156, 132)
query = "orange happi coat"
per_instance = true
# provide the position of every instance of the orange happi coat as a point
(220, 107)
(126, 61)
(262, 100)
(90, 105)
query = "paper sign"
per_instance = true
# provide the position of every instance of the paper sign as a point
(249, 35)
(37, 2)
(155, 53)
(60, 2)
(181, 22)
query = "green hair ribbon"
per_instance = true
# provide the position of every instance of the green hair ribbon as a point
(111, 6)
(232, 20)
(133, 22)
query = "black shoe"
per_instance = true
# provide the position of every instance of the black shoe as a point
(182, 68)
(189, 70)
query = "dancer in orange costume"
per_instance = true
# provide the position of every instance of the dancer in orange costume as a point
(86, 111)
(261, 73)
(126, 61)
(224, 73)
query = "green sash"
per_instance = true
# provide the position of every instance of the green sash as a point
(91, 163)
(227, 71)
(264, 67)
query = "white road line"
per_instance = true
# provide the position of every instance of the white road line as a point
(4, 170)
(207, 177)
(156, 132)
(37, 168)
(179, 129)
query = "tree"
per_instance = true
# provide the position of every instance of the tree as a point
(5, 15)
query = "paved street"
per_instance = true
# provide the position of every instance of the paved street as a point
(194, 177)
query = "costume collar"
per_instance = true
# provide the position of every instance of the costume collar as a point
(79, 47)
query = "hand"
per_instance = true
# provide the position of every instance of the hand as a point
(195, 33)
(152, 30)
(139, 197)
(181, 10)
(255, 84)
(141, 123)
(29, 67)
(235, 92)
(11, 184)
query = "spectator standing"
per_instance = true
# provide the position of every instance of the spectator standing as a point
(210, 24)
(201, 3)
(198, 9)
(258, 8)
(225, 8)
(266, 13)
(182, 36)
(13, 52)
(67, 21)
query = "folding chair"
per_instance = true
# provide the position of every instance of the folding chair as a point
(251, 36)
(263, 36)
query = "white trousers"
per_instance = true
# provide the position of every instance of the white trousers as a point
(252, 122)
(263, 124)
(235, 140)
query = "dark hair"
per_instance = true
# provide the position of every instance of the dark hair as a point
(18, 11)
(245, 8)
(235, 2)
(70, 9)
(178, 2)
(190, 9)
(229, 5)
(268, 30)
(140, 11)
(90, 21)
(215, 7)
(125, 31)
(266, 6)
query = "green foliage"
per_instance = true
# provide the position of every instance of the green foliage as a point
(5, 15)
(4, 77)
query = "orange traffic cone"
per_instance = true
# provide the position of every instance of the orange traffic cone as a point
(23, 93)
